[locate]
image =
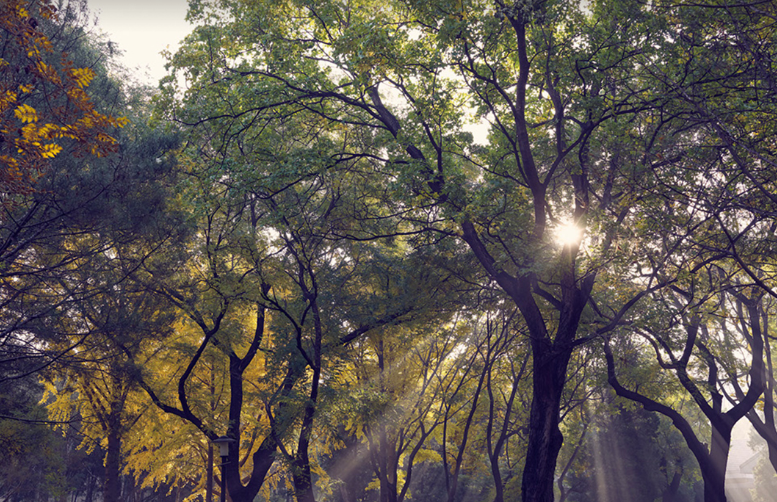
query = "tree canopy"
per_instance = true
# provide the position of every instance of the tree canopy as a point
(452, 249)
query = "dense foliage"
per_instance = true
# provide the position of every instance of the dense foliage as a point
(449, 250)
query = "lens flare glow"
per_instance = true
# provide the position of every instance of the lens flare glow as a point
(568, 234)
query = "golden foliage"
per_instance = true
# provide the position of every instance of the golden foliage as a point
(32, 74)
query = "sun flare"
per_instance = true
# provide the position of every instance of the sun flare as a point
(568, 234)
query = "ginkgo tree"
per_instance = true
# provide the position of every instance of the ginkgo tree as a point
(76, 183)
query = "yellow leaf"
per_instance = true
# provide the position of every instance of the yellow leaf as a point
(50, 151)
(30, 132)
(7, 99)
(26, 113)
(82, 76)
(48, 131)
(9, 161)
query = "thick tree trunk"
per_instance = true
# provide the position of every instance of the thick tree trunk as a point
(550, 361)
(545, 437)
(388, 483)
(264, 457)
(714, 473)
(112, 490)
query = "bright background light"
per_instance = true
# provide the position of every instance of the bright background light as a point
(568, 234)
(142, 29)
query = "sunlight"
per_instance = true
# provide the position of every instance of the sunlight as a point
(568, 234)
(406, 399)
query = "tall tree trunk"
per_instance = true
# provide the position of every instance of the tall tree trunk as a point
(112, 489)
(264, 457)
(302, 477)
(545, 438)
(715, 477)
(209, 475)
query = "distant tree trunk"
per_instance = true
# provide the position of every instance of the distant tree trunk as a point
(670, 494)
(387, 462)
(90, 489)
(345, 468)
(112, 490)
(209, 475)
(467, 425)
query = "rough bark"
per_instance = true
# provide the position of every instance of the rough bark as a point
(545, 438)
(112, 489)
(209, 475)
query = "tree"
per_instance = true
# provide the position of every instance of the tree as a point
(547, 75)
(695, 352)
(723, 89)
(55, 234)
(102, 390)
(43, 102)
(273, 289)
(77, 188)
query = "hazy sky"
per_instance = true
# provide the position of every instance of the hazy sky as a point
(143, 28)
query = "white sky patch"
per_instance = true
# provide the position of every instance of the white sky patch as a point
(480, 130)
(143, 29)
